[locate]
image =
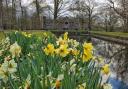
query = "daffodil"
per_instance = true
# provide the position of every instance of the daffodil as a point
(72, 61)
(10, 66)
(60, 41)
(4, 75)
(24, 33)
(88, 46)
(105, 69)
(15, 50)
(74, 52)
(62, 50)
(66, 36)
(73, 43)
(60, 77)
(49, 50)
(73, 68)
(45, 34)
(27, 34)
(7, 68)
(86, 56)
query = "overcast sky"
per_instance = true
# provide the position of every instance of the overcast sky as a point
(28, 1)
(31, 9)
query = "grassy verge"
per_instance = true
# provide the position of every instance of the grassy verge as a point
(111, 34)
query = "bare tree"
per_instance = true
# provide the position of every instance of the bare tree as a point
(59, 8)
(85, 9)
(39, 5)
(121, 8)
(109, 18)
(1, 14)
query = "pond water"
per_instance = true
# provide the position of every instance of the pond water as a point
(117, 55)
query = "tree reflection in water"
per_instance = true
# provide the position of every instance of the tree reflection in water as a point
(115, 54)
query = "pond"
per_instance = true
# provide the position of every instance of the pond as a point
(117, 55)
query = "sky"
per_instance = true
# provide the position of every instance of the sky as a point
(28, 1)
(31, 9)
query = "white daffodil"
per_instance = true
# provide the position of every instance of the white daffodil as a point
(73, 68)
(75, 43)
(10, 66)
(7, 68)
(64, 66)
(3, 75)
(72, 61)
(60, 77)
(15, 50)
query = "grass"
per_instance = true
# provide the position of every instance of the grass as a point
(112, 34)
(1, 35)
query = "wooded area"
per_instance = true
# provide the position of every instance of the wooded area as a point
(111, 15)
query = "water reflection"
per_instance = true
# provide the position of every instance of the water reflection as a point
(115, 54)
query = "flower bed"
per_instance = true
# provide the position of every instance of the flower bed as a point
(47, 62)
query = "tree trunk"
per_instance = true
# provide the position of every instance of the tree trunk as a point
(22, 16)
(90, 23)
(13, 19)
(1, 14)
(125, 27)
(38, 15)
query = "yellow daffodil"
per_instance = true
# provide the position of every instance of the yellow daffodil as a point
(74, 52)
(15, 50)
(24, 33)
(105, 69)
(88, 46)
(66, 36)
(62, 50)
(49, 50)
(27, 34)
(86, 56)
(28, 82)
